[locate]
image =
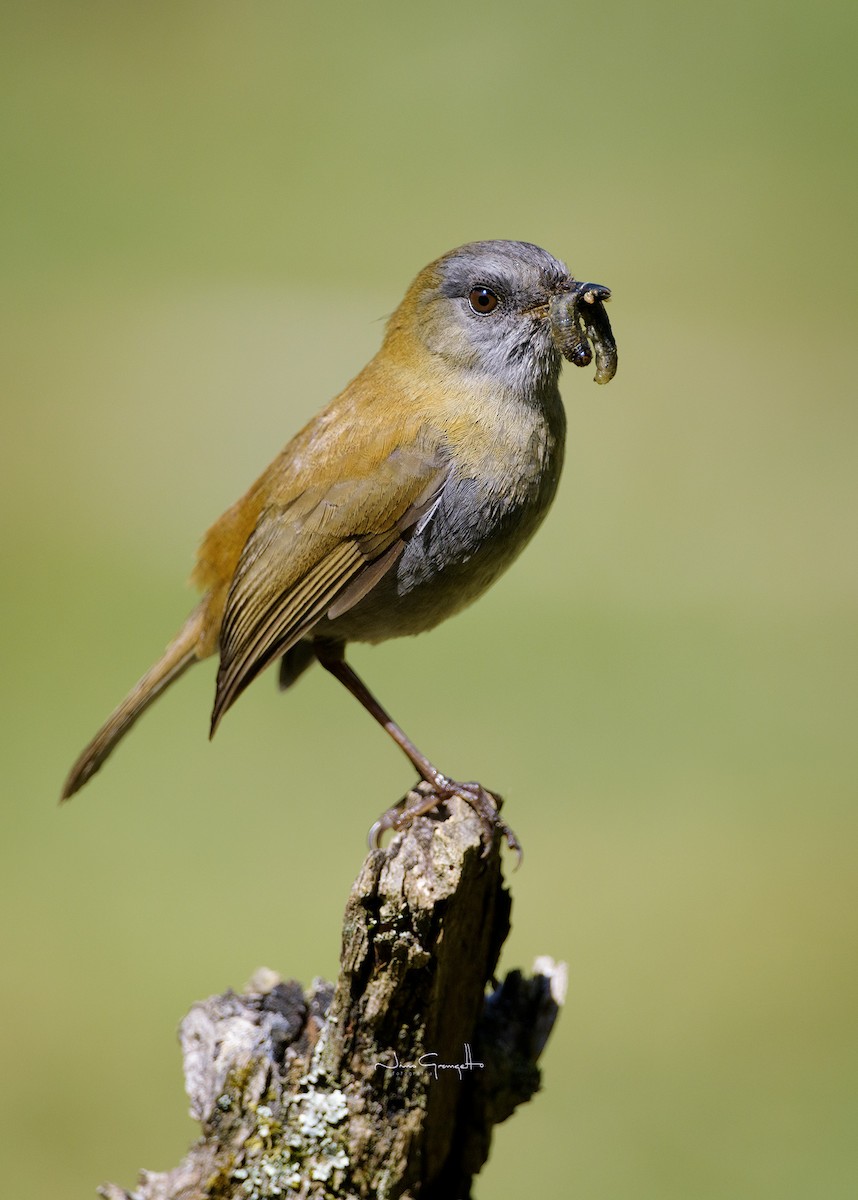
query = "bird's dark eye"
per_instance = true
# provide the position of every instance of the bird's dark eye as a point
(482, 300)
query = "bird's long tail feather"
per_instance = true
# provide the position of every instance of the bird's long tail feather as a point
(179, 655)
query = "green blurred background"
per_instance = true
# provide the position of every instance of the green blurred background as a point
(207, 211)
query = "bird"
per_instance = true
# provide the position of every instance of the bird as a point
(400, 503)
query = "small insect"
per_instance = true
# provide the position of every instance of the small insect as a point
(579, 322)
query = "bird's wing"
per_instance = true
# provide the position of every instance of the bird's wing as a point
(318, 554)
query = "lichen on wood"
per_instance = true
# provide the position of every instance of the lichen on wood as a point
(389, 1083)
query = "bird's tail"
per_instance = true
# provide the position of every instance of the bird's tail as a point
(179, 655)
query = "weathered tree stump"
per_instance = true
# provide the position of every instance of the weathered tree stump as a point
(388, 1084)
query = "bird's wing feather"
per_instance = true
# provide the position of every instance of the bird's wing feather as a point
(318, 555)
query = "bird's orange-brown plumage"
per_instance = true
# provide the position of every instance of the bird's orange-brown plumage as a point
(456, 422)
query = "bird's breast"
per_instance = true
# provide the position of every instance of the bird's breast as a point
(504, 468)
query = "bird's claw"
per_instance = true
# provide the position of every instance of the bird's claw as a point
(426, 796)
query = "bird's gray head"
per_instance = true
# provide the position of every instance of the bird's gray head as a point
(508, 310)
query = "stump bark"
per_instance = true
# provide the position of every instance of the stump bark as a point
(389, 1083)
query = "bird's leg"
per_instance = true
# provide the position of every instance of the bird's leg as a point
(332, 657)
(436, 787)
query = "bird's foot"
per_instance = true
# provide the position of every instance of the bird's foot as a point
(426, 796)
